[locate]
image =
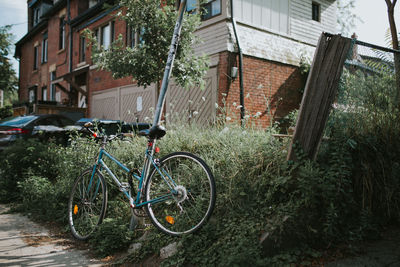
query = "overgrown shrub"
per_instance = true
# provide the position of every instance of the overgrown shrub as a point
(294, 207)
(5, 112)
(367, 119)
(21, 160)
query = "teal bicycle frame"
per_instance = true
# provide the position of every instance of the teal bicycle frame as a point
(149, 161)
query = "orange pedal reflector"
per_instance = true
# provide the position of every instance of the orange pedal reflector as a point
(75, 209)
(170, 219)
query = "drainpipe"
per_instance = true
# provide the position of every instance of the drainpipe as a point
(242, 110)
(70, 35)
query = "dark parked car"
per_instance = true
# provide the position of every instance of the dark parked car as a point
(112, 127)
(41, 126)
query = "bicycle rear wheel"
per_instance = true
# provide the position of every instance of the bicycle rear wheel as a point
(184, 190)
(87, 204)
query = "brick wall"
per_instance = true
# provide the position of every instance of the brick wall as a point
(271, 89)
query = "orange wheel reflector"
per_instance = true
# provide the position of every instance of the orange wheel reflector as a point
(170, 219)
(75, 209)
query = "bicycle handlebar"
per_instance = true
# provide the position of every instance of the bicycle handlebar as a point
(104, 137)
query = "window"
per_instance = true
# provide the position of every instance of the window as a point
(191, 5)
(61, 34)
(105, 38)
(53, 86)
(210, 9)
(131, 37)
(36, 16)
(35, 57)
(44, 48)
(106, 35)
(44, 93)
(32, 94)
(316, 15)
(82, 49)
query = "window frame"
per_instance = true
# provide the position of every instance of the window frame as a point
(35, 57)
(131, 36)
(210, 3)
(44, 93)
(82, 49)
(35, 16)
(194, 10)
(61, 34)
(45, 47)
(53, 91)
(316, 14)
(99, 33)
(32, 90)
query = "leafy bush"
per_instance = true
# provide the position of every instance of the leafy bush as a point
(367, 119)
(259, 194)
(112, 236)
(5, 112)
(23, 159)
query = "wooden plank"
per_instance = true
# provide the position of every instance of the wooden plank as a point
(319, 94)
(62, 88)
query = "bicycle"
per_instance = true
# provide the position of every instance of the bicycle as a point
(178, 193)
(177, 188)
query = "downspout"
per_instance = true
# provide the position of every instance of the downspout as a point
(242, 109)
(70, 35)
(70, 48)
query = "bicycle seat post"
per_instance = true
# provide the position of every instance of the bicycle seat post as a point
(104, 141)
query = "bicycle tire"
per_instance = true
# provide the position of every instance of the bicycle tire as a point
(196, 186)
(86, 210)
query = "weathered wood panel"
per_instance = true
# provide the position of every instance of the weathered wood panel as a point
(319, 94)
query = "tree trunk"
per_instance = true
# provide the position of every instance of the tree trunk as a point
(395, 45)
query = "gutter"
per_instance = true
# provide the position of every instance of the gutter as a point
(242, 109)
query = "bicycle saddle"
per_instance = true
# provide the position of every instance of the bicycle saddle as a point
(155, 132)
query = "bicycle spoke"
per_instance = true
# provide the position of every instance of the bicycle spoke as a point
(187, 211)
(87, 205)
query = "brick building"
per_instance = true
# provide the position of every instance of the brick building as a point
(55, 64)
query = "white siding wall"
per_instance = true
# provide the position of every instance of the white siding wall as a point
(279, 30)
(270, 14)
(303, 28)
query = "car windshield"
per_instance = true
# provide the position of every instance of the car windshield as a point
(18, 121)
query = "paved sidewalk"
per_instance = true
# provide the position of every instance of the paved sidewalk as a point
(24, 243)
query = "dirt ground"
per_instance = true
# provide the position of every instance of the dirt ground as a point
(382, 252)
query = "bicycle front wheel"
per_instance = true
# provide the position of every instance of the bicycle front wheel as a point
(181, 192)
(87, 204)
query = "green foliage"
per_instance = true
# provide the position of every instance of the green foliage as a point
(146, 61)
(25, 158)
(111, 236)
(5, 112)
(368, 120)
(299, 207)
(8, 79)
